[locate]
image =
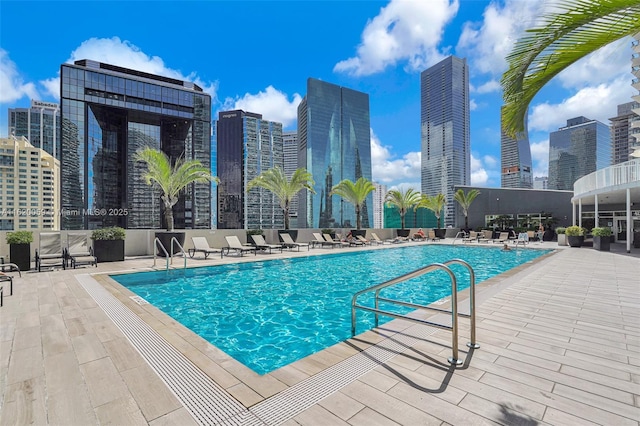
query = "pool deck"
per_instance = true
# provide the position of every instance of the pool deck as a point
(559, 344)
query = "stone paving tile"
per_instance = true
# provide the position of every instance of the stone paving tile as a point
(369, 417)
(341, 405)
(319, 416)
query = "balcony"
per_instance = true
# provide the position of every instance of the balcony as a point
(612, 181)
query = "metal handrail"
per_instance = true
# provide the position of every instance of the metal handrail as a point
(464, 234)
(157, 243)
(454, 304)
(184, 255)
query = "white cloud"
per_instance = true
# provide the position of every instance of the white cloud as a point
(125, 54)
(540, 157)
(273, 104)
(490, 161)
(473, 105)
(386, 169)
(489, 87)
(597, 102)
(479, 175)
(12, 83)
(607, 63)
(403, 31)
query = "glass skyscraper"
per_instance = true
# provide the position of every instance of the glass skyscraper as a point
(580, 148)
(515, 154)
(334, 144)
(109, 113)
(444, 125)
(247, 146)
(40, 124)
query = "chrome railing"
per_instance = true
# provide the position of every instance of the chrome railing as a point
(454, 304)
(169, 259)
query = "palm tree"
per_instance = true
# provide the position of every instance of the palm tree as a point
(276, 181)
(171, 180)
(354, 193)
(575, 29)
(403, 200)
(465, 200)
(434, 203)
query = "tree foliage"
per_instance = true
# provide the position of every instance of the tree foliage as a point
(354, 193)
(403, 200)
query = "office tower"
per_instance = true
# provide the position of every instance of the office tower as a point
(622, 138)
(40, 124)
(444, 124)
(378, 205)
(635, 70)
(335, 144)
(515, 155)
(290, 149)
(541, 182)
(247, 146)
(214, 172)
(28, 186)
(580, 148)
(109, 113)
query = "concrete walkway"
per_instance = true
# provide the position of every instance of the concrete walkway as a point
(560, 344)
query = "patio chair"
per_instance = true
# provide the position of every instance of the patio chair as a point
(7, 278)
(289, 243)
(50, 251)
(473, 236)
(502, 238)
(9, 267)
(261, 244)
(432, 236)
(523, 238)
(201, 245)
(233, 243)
(377, 239)
(78, 251)
(329, 239)
(363, 240)
(485, 236)
(319, 239)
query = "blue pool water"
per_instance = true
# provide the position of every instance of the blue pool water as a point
(267, 314)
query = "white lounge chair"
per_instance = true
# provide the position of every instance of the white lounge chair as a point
(289, 243)
(79, 252)
(201, 245)
(50, 251)
(319, 239)
(330, 240)
(261, 244)
(377, 239)
(233, 243)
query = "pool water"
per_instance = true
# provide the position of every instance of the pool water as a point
(270, 313)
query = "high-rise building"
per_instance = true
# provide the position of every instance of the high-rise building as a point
(635, 70)
(109, 113)
(444, 124)
(40, 124)
(515, 155)
(581, 147)
(28, 186)
(247, 146)
(378, 205)
(541, 182)
(334, 137)
(290, 150)
(214, 172)
(622, 137)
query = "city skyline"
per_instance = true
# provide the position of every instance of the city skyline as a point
(381, 49)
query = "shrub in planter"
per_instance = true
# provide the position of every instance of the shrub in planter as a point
(20, 248)
(562, 238)
(108, 244)
(601, 238)
(575, 236)
(251, 232)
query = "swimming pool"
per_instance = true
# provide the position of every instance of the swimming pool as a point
(269, 313)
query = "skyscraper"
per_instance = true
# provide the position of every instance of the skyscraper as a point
(40, 124)
(109, 113)
(580, 148)
(378, 205)
(444, 124)
(515, 154)
(247, 146)
(335, 144)
(290, 150)
(622, 136)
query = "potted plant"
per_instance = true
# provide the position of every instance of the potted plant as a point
(108, 244)
(171, 179)
(601, 238)
(435, 204)
(562, 238)
(251, 232)
(575, 236)
(356, 194)
(403, 200)
(20, 248)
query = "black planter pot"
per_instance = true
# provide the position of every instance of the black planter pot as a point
(440, 232)
(361, 232)
(165, 239)
(293, 233)
(636, 240)
(20, 254)
(108, 250)
(575, 240)
(404, 233)
(602, 243)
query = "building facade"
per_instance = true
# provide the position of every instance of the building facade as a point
(444, 124)
(334, 144)
(379, 196)
(247, 146)
(581, 147)
(108, 114)
(290, 150)
(623, 138)
(541, 182)
(515, 156)
(40, 124)
(28, 187)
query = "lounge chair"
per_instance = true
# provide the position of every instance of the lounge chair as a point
(377, 239)
(50, 251)
(473, 236)
(502, 238)
(7, 278)
(9, 267)
(319, 239)
(329, 239)
(485, 236)
(201, 245)
(233, 243)
(363, 240)
(261, 244)
(79, 252)
(523, 238)
(289, 243)
(432, 236)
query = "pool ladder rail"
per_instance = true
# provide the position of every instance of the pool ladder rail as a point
(454, 360)
(157, 243)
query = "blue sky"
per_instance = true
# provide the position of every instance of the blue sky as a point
(257, 55)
